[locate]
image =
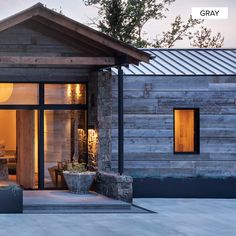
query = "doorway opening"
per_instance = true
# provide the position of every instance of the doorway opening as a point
(19, 148)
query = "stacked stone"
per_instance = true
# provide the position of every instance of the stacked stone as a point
(115, 186)
(2, 148)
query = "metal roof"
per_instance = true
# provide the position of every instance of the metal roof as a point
(186, 62)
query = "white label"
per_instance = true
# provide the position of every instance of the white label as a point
(210, 12)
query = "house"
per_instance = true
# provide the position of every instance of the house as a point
(68, 92)
(55, 96)
(180, 123)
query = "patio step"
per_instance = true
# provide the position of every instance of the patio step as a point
(64, 202)
(75, 208)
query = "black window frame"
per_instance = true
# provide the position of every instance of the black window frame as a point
(41, 107)
(196, 130)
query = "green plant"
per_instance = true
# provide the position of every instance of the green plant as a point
(76, 167)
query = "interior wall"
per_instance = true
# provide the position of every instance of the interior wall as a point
(8, 128)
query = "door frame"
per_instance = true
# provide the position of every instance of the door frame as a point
(41, 107)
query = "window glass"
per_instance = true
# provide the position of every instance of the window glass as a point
(65, 94)
(18, 94)
(185, 130)
(65, 138)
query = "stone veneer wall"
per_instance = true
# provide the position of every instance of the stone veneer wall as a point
(115, 186)
(100, 116)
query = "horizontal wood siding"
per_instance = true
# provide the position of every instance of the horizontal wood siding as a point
(148, 121)
(28, 40)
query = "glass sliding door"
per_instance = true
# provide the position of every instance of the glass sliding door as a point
(65, 139)
(51, 129)
(19, 147)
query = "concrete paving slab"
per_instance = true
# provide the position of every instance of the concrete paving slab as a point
(54, 197)
(176, 217)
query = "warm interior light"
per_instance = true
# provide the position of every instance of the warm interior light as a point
(92, 135)
(184, 130)
(92, 146)
(77, 91)
(73, 92)
(6, 90)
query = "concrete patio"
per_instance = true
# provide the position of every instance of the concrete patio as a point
(52, 201)
(64, 202)
(176, 217)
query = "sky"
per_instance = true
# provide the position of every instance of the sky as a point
(76, 10)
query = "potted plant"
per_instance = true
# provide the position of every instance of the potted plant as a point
(78, 179)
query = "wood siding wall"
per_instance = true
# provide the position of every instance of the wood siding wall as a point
(27, 39)
(148, 107)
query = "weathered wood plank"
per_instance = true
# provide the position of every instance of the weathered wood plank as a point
(223, 86)
(23, 35)
(25, 138)
(150, 157)
(174, 83)
(160, 94)
(168, 133)
(30, 60)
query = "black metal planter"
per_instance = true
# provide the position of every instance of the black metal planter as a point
(189, 187)
(11, 199)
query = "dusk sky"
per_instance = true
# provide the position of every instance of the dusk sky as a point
(76, 10)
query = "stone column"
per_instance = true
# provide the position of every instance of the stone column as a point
(100, 116)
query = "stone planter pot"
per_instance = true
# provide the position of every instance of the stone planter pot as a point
(79, 183)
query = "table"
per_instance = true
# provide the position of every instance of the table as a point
(59, 172)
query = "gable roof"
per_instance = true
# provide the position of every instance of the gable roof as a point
(187, 62)
(77, 31)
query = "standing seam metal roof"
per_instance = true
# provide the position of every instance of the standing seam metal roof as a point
(186, 62)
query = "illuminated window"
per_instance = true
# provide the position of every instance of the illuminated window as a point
(186, 130)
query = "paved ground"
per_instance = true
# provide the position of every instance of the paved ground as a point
(185, 217)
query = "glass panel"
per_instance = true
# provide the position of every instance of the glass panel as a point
(184, 130)
(18, 131)
(65, 94)
(18, 94)
(65, 138)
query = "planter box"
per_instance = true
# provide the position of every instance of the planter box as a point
(79, 183)
(189, 187)
(115, 186)
(11, 198)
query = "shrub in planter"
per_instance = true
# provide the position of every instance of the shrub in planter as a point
(77, 178)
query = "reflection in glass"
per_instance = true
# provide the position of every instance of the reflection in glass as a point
(65, 139)
(65, 93)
